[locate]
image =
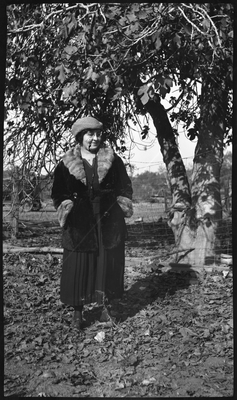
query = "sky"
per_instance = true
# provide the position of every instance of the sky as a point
(145, 155)
(149, 158)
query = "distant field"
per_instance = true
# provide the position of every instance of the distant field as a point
(150, 212)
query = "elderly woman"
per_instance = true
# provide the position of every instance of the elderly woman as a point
(92, 194)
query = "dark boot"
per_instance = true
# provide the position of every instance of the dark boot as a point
(77, 317)
(105, 315)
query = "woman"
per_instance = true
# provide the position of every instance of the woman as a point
(92, 194)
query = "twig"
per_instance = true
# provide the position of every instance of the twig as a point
(172, 252)
(214, 26)
(191, 23)
(33, 26)
(101, 12)
(184, 255)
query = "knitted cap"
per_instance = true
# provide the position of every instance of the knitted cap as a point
(86, 123)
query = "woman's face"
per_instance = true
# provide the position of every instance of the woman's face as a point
(91, 140)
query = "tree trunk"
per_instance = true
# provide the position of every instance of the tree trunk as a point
(194, 215)
(201, 229)
(15, 203)
(206, 198)
(178, 181)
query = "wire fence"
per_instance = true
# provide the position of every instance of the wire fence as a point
(147, 228)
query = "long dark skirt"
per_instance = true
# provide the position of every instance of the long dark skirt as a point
(90, 277)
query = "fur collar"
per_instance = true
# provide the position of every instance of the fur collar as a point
(73, 161)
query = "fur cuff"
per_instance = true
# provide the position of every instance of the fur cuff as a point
(63, 210)
(126, 205)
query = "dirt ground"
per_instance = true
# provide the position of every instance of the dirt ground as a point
(171, 335)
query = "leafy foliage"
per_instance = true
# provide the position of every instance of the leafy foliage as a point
(147, 184)
(108, 60)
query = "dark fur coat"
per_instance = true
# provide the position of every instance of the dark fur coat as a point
(79, 230)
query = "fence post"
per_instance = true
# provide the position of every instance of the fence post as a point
(228, 195)
(15, 203)
(165, 199)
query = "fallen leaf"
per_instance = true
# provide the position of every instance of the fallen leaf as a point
(186, 332)
(214, 361)
(48, 374)
(149, 381)
(225, 273)
(100, 337)
(119, 386)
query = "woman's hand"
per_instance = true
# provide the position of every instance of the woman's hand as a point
(126, 205)
(63, 210)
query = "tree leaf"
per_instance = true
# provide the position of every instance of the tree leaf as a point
(188, 29)
(163, 91)
(143, 94)
(168, 82)
(69, 90)
(81, 39)
(89, 72)
(94, 76)
(192, 133)
(142, 14)
(103, 81)
(131, 17)
(133, 27)
(143, 89)
(118, 93)
(159, 81)
(206, 24)
(70, 27)
(61, 75)
(177, 39)
(122, 21)
(156, 39)
(68, 51)
(24, 106)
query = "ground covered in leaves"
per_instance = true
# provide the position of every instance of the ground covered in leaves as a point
(171, 335)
